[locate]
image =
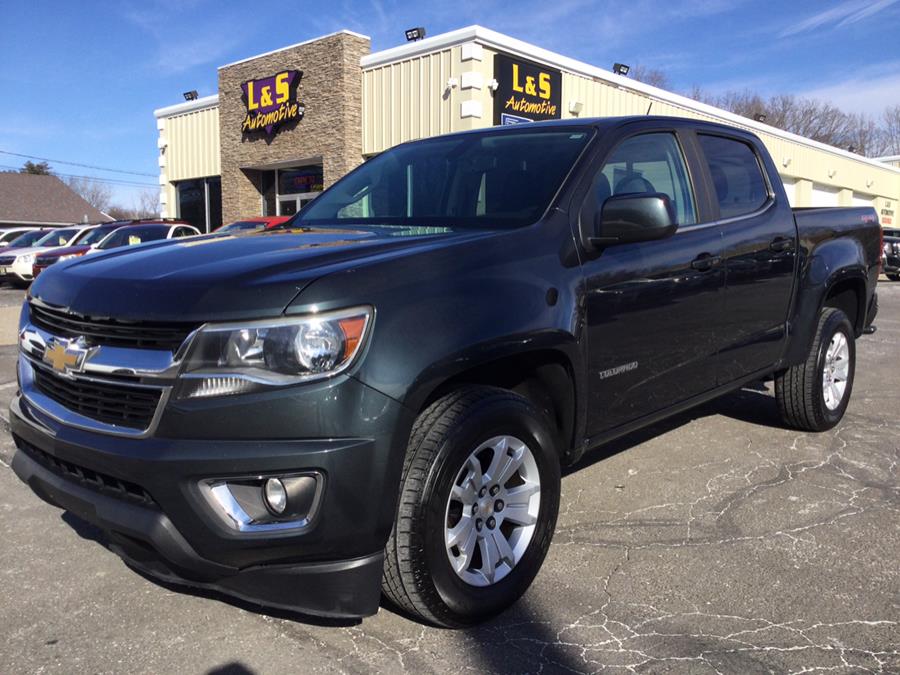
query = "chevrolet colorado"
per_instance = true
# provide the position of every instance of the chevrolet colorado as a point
(377, 396)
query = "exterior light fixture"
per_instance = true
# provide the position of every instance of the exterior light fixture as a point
(852, 148)
(575, 107)
(760, 117)
(414, 34)
(190, 95)
(621, 69)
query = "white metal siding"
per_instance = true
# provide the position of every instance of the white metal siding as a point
(860, 199)
(823, 195)
(790, 187)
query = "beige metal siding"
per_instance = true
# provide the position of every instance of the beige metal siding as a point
(192, 145)
(411, 99)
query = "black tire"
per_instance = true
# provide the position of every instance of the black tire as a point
(418, 576)
(893, 277)
(798, 390)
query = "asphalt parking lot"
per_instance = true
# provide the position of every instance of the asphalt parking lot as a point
(717, 541)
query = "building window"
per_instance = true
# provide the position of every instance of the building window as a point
(297, 186)
(200, 202)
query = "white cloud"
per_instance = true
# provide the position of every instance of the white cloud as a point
(869, 92)
(843, 14)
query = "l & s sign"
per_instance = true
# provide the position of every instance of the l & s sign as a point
(271, 101)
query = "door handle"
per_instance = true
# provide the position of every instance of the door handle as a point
(779, 244)
(705, 261)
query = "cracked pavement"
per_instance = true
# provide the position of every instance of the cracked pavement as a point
(716, 541)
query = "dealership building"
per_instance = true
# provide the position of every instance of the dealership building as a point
(288, 123)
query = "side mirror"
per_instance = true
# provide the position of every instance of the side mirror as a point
(630, 218)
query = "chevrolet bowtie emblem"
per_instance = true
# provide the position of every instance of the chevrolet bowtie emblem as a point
(67, 356)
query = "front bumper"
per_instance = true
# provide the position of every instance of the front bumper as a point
(145, 492)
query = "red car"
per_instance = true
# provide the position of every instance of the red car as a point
(256, 224)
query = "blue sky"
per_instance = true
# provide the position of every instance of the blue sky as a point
(79, 80)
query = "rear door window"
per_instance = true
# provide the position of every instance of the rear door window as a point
(740, 187)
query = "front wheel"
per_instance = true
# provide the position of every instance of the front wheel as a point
(813, 395)
(478, 506)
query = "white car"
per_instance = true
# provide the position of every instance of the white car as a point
(8, 234)
(140, 233)
(16, 265)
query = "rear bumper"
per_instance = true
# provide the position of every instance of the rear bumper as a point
(146, 495)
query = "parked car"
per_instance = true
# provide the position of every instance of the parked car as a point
(379, 395)
(891, 254)
(252, 224)
(94, 238)
(24, 240)
(16, 265)
(131, 235)
(9, 233)
(85, 244)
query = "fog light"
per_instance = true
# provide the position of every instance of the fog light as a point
(275, 496)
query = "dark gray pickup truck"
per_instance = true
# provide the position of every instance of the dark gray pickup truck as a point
(378, 395)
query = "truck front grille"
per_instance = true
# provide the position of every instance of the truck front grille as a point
(120, 405)
(99, 482)
(111, 332)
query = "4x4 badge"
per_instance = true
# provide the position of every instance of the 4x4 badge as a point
(67, 356)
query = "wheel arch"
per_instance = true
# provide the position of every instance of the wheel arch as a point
(546, 376)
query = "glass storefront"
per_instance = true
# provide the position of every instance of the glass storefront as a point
(200, 202)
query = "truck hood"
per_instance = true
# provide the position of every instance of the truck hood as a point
(222, 277)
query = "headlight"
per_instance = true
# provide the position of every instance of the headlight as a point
(238, 358)
(27, 259)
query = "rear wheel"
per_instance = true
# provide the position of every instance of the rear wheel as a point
(478, 505)
(813, 395)
(894, 277)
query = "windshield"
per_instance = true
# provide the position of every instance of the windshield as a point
(57, 238)
(27, 239)
(7, 237)
(96, 235)
(499, 179)
(129, 236)
(242, 225)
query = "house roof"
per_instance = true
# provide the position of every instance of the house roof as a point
(31, 199)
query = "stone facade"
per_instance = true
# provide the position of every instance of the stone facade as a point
(330, 132)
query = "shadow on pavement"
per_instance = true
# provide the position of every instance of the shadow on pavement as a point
(234, 668)
(752, 404)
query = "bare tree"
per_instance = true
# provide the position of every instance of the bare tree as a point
(95, 193)
(652, 76)
(890, 125)
(144, 205)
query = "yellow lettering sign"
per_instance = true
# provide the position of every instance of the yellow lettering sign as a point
(515, 78)
(545, 85)
(251, 101)
(282, 90)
